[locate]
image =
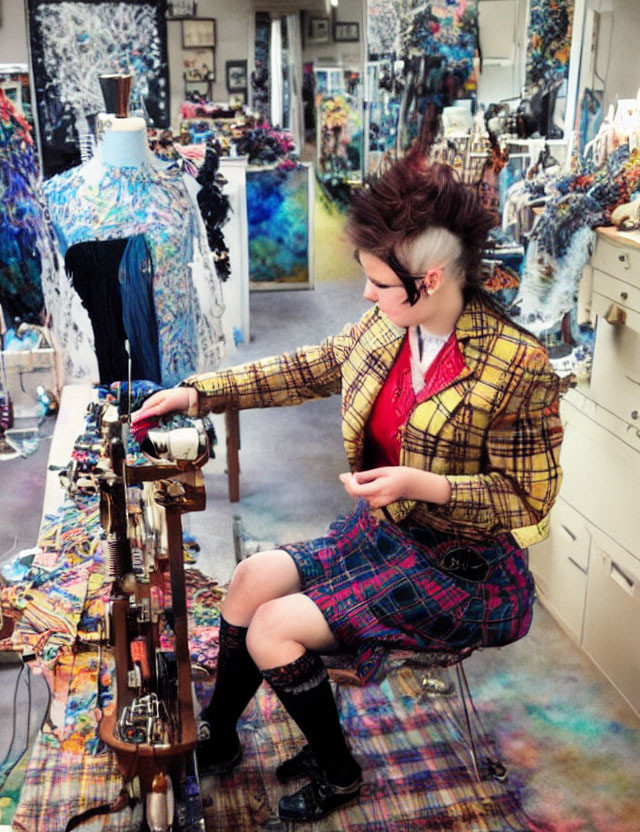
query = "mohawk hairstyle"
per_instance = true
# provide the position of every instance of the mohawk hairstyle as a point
(409, 198)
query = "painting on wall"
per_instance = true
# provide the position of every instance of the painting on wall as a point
(424, 53)
(548, 49)
(72, 44)
(278, 210)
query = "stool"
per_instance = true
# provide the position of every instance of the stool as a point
(232, 426)
(485, 764)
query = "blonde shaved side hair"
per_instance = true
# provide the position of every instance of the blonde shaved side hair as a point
(436, 247)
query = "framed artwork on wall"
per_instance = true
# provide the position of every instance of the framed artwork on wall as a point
(280, 216)
(236, 72)
(199, 65)
(199, 33)
(178, 9)
(317, 29)
(128, 34)
(346, 32)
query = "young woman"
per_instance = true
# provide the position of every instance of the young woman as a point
(451, 428)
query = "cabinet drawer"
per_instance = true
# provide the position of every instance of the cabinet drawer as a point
(601, 478)
(622, 262)
(600, 305)
(619, 291)
(612, 616)
(615, 375)
(559, 565)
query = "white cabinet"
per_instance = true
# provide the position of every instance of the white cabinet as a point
(588, 570)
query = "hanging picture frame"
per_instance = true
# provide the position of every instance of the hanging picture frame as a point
(317, 29)
(131, 36)
(236, 75)
(179, 9)
(199, 33)
(346, 32)
(199, 65)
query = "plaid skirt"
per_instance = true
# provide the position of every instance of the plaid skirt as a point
(384, 586)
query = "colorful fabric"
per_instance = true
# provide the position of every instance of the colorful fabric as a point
(25, 235)
(381, 584)
(61, 784)
(495, 433)
(97, 202)
(549, 43)
(414, 764)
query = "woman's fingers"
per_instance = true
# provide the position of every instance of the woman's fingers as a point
(165, 401)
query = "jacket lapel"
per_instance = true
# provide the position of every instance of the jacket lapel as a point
(472, 328)
(384, 341)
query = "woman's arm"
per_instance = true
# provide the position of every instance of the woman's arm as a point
(522, 473)
(287, 379)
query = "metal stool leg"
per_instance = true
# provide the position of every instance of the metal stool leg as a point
(495, 768)
(463, 687)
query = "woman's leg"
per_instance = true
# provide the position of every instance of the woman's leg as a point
(260, 578)
(283, 638)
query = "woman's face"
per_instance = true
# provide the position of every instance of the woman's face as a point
(385, 288)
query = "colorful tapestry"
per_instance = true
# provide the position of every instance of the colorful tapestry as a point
(278, 218)
(24, 233)
(421, 53)
(340, 122)
(549, 41)
(260, 86)
(72, 44)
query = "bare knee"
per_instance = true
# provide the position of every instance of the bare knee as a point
(256, 580)
(282, 629)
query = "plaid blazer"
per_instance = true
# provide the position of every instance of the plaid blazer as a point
(494, 432)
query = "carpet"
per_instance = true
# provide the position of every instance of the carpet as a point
(415, 768)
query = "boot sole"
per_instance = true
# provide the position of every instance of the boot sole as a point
(351, 802)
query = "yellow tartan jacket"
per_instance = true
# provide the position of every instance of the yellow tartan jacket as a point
(494, 432)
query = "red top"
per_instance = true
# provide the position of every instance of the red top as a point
(397, 398)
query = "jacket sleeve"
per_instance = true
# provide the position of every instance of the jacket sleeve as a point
(287, 379)
(522, 471)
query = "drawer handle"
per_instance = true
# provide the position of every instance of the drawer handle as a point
(616, 574)
(624, 258)
(615, 315)
(624, 295)
(568, 532)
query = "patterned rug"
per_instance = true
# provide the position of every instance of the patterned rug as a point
(414, 762)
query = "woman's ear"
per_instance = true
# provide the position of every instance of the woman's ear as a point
(432, 280)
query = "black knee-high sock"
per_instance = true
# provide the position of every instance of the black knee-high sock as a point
(237, 680)
(303, 688)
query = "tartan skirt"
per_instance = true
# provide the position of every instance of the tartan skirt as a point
(384, 586)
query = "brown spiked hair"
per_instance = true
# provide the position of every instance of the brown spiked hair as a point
(411, 196)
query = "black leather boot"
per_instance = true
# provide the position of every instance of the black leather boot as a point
(317, 799)
(301, 764)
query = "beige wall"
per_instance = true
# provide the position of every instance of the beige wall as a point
(623, 75)
(233, 33)
(13, 33)
(349, 55)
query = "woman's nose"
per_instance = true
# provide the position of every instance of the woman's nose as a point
(370, 292)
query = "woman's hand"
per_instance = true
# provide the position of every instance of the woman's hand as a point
(177, 399)
(381, 486)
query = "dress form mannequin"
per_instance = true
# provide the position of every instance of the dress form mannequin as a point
(120, 193)
(123, 141)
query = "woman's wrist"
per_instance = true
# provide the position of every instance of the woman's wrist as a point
(428, 487)
(192, 408)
